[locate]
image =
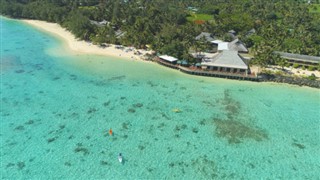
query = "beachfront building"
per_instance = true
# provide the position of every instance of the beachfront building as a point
(303, 60)
(219, 45)
(227, 61)
(168, 59)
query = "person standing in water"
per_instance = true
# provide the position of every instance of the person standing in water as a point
(120, 157)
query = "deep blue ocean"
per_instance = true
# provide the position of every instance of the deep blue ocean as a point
(57, 110)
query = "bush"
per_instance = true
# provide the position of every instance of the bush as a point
(303, 68)
(287, 65)
(295, 65)
(312, 77)
(279, 73)
(266, 72)
(311, 68)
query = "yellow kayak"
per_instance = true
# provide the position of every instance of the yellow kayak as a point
(176, 110)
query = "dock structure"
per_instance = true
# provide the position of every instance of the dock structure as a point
(200, 72)
(210, 73)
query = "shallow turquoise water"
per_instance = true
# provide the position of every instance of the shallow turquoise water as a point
(57, 109)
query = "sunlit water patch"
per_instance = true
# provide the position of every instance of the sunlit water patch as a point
(56, 113)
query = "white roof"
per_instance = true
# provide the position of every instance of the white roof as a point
(217, 41)
(229, 59)
(168, 58)
(223, 46)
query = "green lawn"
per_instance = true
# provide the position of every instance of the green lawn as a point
(314, 8)
(88, 7)
(204, 17)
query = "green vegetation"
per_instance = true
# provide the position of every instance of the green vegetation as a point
(296, 65)
(202, 17)
(314, 8)
(311, 68)
(312, 77)
(169, 28)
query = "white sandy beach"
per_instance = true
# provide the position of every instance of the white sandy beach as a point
(82, 47)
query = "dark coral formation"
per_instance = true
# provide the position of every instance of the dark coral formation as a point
(236, 131)
(137, 105)
(29, 122)
(300, 146)
(21, 165)
(52, 139)
(130, 110)
(205, 166)
(81, 149)
(202, 165)
(19, 128)
(91, 110)
(233, 128)
(67, 164)
(125, 125)
(195, 130)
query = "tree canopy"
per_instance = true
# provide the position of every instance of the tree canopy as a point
(170, 27)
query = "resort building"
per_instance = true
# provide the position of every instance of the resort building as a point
(235, 45)
(219, 45)
(223, 61)
(303, 60)
(168, 59)
(226, 61)
(205, 35)
(99, 24)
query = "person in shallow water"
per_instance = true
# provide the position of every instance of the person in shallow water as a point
(110, 132)
(120, 157)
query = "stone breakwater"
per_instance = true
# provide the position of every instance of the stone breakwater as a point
(290, 80)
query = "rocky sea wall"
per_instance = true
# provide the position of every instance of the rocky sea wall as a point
(289, 80)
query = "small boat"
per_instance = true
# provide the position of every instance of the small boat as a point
(120, 157)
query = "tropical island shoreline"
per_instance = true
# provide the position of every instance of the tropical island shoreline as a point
(75, 46)
(82, 47)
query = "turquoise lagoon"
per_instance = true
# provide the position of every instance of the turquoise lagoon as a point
(57, 109)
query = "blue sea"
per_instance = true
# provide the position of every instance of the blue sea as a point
(57, 109)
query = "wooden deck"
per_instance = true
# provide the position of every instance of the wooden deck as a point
(200, 72)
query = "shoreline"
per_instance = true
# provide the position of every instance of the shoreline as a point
(76, 46)
(80, 47)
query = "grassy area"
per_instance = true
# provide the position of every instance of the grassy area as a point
(203, 17)
(88, 7)
(314, 8)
